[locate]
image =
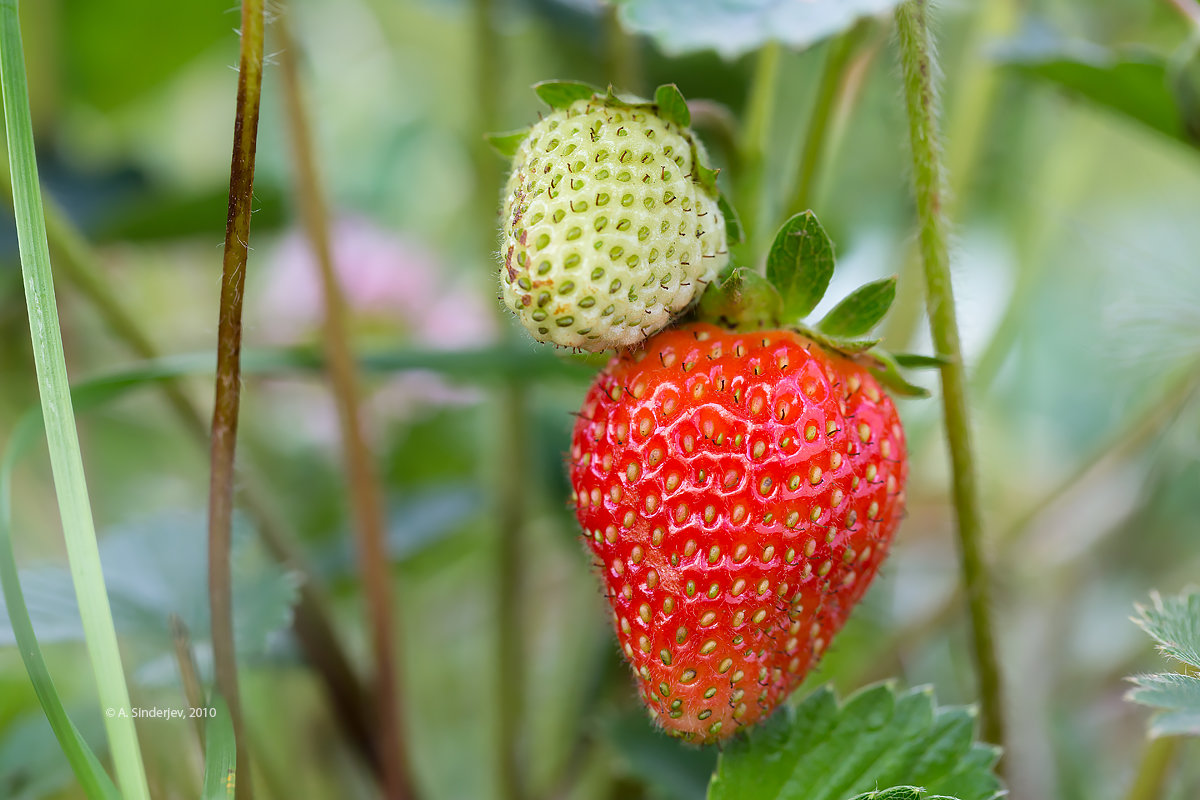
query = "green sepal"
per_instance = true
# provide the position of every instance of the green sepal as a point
(845, 346)
(918, 361)
(734, 232)
(1184, 73)
(886, 371)
(800, 264)
(561, 94)
(740, 298)
(861, 311)
(705, 175)
(506, 143)
(671, 105)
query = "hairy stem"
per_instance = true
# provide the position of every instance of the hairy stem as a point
(62, 439)
(1150, 783)
(365, 490)
(228, 380)
(813, 153)
(919, 71)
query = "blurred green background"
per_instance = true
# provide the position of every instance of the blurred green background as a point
(1076, 266)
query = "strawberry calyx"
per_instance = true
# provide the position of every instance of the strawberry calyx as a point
(799, 267)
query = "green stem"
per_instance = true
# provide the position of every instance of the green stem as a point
(815, 137)
(228, 380)
(1151, 779)
(756, 134)
(66, 460)
(365, 490)
(510, 476)
(622, 54)
(919, 70)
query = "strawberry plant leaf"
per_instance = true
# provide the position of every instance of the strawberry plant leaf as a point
(800, 264)
(822, 750)
(1131, 82)
(734, 233)
(919, 361)
(560, 94)
(861, 311)
(671, 105)
(741, 298)
(736, 27)
(507, 143)
(1174, 623)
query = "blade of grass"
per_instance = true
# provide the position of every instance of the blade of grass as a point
(220, 759)
(228, 381)
(366, 493)
(919, 67)
(65, 458)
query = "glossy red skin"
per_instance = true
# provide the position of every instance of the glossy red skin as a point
(695, 460)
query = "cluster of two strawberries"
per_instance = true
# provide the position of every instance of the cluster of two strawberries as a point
(739, 482)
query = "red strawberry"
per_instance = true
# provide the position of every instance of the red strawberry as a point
(740, 490)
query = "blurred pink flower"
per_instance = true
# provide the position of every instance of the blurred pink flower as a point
(394, 287)
(397, 291)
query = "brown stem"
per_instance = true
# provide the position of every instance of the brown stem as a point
(365, 491)
(228, 381)
(193, 690)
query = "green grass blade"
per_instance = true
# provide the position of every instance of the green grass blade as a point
(65, 459)
(220, 754)
(91, 775)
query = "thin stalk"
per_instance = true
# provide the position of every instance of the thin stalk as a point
(510, 469)
(313, 627)
(366, 493)
(1150, 783)
(919, 69)
(66, 461)
(228, 380)
(813, 153)
(756, 135)
(189, 674)
(622, 53)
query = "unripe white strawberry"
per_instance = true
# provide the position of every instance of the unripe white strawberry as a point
(611, 223)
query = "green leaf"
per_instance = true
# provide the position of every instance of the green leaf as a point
(820, 750)
(1131, 82)
(918, 361)
(507, 143)
(671, 105)
(896, 793)
(734, 233)
(155, 566)
(736, 27)
(741, 298)
(220, 754)
(800, 264)
(861, 311)
(561, 94)
(706, 175)
(1174, 623)
(1178, 696)
(887, 372)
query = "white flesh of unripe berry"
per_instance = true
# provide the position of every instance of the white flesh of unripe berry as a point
(607, 232)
